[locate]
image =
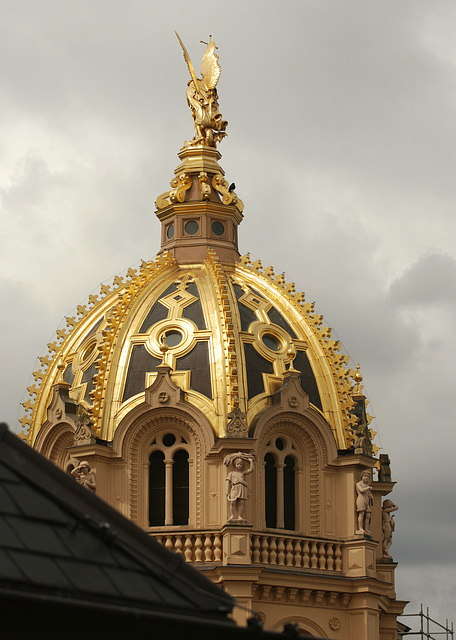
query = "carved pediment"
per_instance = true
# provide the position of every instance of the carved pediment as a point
(291, 396)
(163, 392)
(62, 408)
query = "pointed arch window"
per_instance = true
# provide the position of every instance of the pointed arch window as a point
(169, 481)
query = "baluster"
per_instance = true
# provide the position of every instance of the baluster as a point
(256, 549)
(297, 554)
(159, 539)
(264, 550)
(306, 558)
(178, 545)
(217, 548)
(338, 555)
(313, 556)
(272, 551)
(289, 553)
(330, 558)
(207, 548)
(198, 549)
(322, 554)
(281, 549)
(188, 548)
(169, 543)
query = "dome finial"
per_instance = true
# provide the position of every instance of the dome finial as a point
(164, 348)
(358, 378)
(60, 369)
(202, 97)
(291, 354)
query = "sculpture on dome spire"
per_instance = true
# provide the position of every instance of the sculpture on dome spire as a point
(202, 98)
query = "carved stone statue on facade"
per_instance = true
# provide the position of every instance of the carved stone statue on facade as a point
(388, 526)
(85, 476)
(384, 473)
(363, 442)
(236, 486)
(202, 97)
(364, 502)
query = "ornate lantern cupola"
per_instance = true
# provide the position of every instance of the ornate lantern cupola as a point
(201, 210)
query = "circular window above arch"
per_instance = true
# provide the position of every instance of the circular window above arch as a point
(169, 439)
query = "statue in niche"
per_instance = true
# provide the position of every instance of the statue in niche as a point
(85, 476)
(388, 526)
(384, 474)
(364, 502)
(202, 97)
(236, 486)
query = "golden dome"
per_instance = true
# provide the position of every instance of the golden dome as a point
(227, 328)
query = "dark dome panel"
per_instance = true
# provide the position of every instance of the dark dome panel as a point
(256, 365)
(87, 377)
(247, 315)
(307, 378)
(197, 361)
(158, 311)
(278, 319)
(140, 363)
(194, 311)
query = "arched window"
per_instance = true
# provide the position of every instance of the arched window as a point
(180, 487)
(289, 492)
(270, 481)
(157, 489)
(280, 484)
(168, 481)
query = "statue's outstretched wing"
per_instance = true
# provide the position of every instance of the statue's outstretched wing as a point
(210, 69)
(189, 63)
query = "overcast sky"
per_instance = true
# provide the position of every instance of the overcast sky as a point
(342, 144)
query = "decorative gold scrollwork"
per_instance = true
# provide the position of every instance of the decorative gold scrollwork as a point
(221, 185)
(162, 201)
(180, 185)
(228, 197)
(205, 188)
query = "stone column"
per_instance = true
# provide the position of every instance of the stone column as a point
(169, 491)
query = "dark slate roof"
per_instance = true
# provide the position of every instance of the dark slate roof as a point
(57, 539)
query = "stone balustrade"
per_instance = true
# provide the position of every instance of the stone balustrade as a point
(195, 546)
(293, 552)
(296, 552)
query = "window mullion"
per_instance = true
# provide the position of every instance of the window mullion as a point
(168, 491)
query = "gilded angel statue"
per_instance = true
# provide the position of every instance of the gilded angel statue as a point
(202, 97)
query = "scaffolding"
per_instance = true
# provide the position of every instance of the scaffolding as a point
(429, 629)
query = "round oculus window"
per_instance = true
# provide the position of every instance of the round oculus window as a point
(191, 227)
(271, 342)
(172, 338)
(170, 232)
(169, 439)
(218, 229)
